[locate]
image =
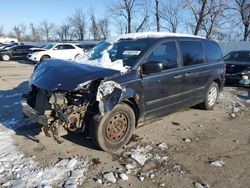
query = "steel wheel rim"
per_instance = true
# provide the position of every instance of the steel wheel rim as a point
(117, 127)
(6, 57)
(212, 96)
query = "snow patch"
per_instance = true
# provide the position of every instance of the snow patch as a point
(16, 167)
(147, 35)
(104, 61)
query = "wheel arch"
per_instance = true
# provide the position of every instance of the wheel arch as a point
(218, 82)
(132, 103)
(44, 55)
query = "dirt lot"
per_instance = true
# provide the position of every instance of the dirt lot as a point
(196, 146)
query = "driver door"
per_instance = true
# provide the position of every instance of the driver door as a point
(163, 91)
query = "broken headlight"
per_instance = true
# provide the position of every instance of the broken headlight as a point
(83, 85)
(106, 88)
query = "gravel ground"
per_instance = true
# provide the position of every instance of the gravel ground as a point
(190, 148)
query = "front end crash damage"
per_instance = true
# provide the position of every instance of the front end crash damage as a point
(108, 95)
(74, 110)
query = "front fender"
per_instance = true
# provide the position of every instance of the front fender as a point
(117, 96)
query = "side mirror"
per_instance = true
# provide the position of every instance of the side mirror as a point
(152, 67)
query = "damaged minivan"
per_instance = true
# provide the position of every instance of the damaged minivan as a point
(122, 83)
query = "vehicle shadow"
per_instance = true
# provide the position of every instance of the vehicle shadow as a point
(11, 117)
(245, 95)
(25, 62)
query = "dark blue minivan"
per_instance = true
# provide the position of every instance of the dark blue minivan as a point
(123, 82)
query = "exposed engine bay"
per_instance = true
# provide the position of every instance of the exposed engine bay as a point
(70, 111)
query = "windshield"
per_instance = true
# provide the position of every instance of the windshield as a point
(96, 52)
(48, 46)
(238, 56)
(126, 50)
(8, 46)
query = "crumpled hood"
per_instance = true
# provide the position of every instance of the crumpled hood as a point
(58, 74)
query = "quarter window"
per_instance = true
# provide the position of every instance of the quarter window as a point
(213, 52)
(192, 52)
(166, 54)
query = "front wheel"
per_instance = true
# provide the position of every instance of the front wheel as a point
(211, 97)
(115, 129)
(44, 58)
(5, 57)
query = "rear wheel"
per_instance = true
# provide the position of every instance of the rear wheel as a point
(5, 57)
(44, 58)
(115, 129)
(77, 57)
(211, 97)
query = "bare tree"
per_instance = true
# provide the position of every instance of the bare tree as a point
(200, 9)
(144, 14)
(157, 15)
(19, 31)
(63, 31)
(78, 23)
(215, 20)
(171, 17)
(243, 8)
(94, 28)
(129, 9)
(104, 28)
(46, 30)
(35, 36)
(1, 30)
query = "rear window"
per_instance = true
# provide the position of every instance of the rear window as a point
(192, 52)
(213, 52)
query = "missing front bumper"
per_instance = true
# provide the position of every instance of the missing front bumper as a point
(33, 114)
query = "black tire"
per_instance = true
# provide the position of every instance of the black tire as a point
(208, 104)
(44, 58)
(101, 132)
(78, 55)
(6, 57)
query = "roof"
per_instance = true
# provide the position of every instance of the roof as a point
(147, 35)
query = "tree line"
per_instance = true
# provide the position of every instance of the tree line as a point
(223, 20)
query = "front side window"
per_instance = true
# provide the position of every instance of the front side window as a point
(192, 52)
(165, 54)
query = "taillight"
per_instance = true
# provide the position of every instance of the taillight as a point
(225, 68)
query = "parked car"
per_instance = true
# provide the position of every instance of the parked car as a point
(124, 82)
(36, 49)
(6, 46)
(237, 65)
(15, 52)
(64, 51)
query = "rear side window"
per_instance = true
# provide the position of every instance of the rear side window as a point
(192, 52)
(213, 52)
(166, 54)
(65, 47)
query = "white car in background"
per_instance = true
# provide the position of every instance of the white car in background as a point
(65, 51)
